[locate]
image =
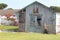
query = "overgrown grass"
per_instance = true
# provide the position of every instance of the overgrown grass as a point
(28, 36)
(7, 27)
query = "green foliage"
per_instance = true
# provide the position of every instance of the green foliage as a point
(2, 5)
(55, 8)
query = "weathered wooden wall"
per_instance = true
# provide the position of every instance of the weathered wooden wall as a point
(21, 22)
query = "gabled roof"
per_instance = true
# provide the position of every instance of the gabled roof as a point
(36, 2)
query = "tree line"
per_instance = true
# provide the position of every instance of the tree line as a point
(55, 8)
(3, 6)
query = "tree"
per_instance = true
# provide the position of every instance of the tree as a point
(55, 8)
(2, 5)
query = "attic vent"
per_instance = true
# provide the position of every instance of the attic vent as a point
(35, 10)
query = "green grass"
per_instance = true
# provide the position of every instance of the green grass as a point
(7, 27)
(28, 36)
(25, 36)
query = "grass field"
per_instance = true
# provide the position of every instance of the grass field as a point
(7, 27)
(25, 36)
(28, 36)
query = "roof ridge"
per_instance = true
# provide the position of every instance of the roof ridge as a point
(35, 2)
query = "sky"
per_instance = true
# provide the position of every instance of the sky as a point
(19, 4)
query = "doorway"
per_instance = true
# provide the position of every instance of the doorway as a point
(36, 23)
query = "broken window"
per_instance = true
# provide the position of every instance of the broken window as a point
(35, 10)
(39, 21)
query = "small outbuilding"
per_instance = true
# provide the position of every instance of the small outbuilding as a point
(37, 17)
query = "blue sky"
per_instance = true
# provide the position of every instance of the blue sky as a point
(18, 4)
